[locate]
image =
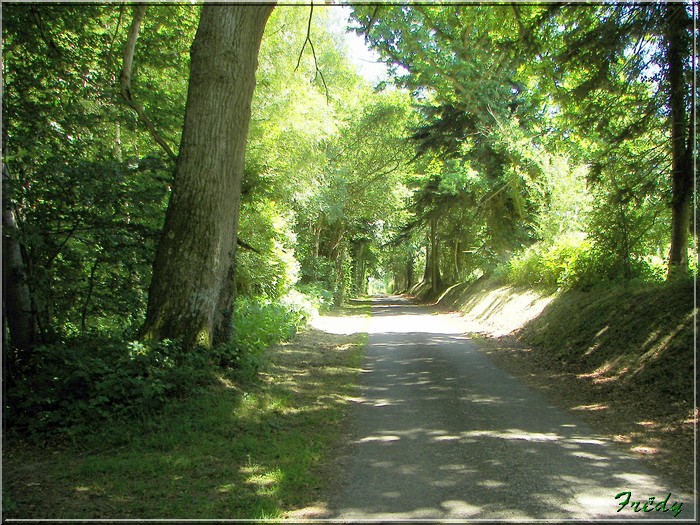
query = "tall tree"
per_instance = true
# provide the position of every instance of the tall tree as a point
(463, 65)
(18, 320)
(191, 293)
(682, 123)
(622, 74)
(87, 187)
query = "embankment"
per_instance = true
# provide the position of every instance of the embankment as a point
(642, 333)
(494, 309)
(622, 356)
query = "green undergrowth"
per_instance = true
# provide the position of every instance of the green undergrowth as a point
(236, 448)
(73, 386)
(639, 336)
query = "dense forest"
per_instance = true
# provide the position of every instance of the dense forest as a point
(184, 185)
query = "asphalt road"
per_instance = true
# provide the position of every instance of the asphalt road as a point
(440, 432)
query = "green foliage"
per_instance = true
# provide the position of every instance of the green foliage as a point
(86, 182)
(72, 387)
(549, 266)
(575, 262)
(257, 446)
(272, 270)
(516, 133)
(518, 102)
(317, 271)
(258, 324)
(319, 297)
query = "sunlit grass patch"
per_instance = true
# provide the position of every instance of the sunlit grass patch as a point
(237, 449)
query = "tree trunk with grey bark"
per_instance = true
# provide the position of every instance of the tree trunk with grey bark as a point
(191, 293)
(18, 318)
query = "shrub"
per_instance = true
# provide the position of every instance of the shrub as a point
(573, 262)
(320, 297)
(259, 324)
(548, 265)
(70, 387)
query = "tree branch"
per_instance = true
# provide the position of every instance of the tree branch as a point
(46, 38)
(307, 39)
(313, 52)
(125, 79)
(369, 25)
(247, 246)
(114, 37)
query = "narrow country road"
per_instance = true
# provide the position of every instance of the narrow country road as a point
(440, 432)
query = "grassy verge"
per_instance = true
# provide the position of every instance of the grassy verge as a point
(233, 450)
(622, 359)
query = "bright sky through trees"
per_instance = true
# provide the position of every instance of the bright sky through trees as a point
(365, 60)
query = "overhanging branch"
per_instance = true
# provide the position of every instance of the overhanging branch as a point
(313, 52)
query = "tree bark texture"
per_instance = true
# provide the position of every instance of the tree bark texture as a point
(19, 320)
(677, 51)
(190, 295)
(435, 278)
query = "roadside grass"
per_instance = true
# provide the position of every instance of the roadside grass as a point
(237, 449)
(622, 358)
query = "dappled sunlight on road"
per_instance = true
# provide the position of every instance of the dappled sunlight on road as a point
(393, 314)
(442, 433)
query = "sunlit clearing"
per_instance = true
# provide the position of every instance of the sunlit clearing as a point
(424, 323)
(340, 325)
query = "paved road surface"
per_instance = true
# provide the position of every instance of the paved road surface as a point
(440, 432)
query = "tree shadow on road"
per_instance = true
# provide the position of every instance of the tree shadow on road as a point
(443, 433)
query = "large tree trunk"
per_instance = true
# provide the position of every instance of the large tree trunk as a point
(190, 295)
(677, 51)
